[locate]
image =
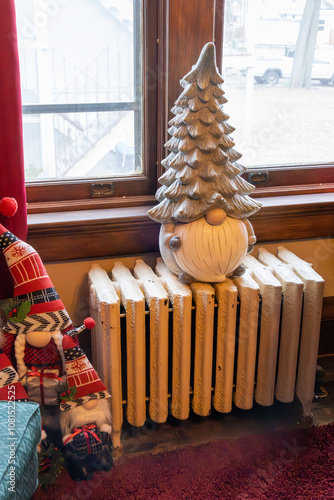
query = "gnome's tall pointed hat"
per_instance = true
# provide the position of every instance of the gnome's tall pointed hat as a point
(31, 284)
(82, 379)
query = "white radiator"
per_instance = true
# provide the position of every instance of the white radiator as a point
(268, 320)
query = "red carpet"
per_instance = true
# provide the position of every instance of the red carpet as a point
(288, 465)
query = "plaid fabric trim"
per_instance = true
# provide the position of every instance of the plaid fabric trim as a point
(45, 357)
(68, 405)
(39, 296)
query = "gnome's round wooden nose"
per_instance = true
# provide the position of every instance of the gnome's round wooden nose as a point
(38, 339)
(216, 216)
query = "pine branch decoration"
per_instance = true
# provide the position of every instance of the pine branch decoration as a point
(202, 169)
(50, 465)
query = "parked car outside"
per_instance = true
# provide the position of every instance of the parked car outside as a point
(269, 70)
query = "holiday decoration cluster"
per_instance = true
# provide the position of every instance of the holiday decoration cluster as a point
(40, 355)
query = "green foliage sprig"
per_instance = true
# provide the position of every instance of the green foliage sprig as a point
(67, 393)
(15, 312)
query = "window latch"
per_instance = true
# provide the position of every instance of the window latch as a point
(259, 178)
(100, 190)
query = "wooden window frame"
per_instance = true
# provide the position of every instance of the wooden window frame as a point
(298, 201)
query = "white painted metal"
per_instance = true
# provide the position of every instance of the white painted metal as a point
(309, 338)
(204, 297)
(181, 299)
(271, 297)
(248, 291)
(226, 295)
(157, 301)
(106, 342)
(268, 276)
(292, 289)
(134, 303)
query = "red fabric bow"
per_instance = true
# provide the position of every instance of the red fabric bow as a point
(41, 375)
(85, 429)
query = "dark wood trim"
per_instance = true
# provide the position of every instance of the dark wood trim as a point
(74, 190)
(93, 233)
(191, 25)
(290, 177)
(218, 32)
(163, 72)
(326, 342)
(290, 190)
(106, 232)
(150, 89)
(94, 204)
(295, 217)
(328, 309)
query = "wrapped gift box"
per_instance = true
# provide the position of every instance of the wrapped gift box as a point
(20, 432)
(42, 386)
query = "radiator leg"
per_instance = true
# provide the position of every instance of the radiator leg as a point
(306, 418)
(116, 441)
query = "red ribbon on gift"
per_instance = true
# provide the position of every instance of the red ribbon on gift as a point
(41, 375)
(85, 429)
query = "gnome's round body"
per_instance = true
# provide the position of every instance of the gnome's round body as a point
(203, 199)
(207, 252)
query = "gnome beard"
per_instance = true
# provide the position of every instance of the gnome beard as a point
(86, 436)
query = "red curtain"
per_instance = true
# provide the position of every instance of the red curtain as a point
(11, 144)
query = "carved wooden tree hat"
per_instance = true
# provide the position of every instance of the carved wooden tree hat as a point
(32, 285)
(202, 169)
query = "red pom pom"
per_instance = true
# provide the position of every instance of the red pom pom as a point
(89, 323)
(8, 207)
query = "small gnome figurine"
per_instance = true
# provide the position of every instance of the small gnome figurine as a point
(85, 418)
(203, 200)
(36, 316)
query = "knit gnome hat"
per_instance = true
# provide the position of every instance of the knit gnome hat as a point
(80, 376)
(10, 385)
(32, 285)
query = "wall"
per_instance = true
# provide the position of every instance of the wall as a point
(70, 278)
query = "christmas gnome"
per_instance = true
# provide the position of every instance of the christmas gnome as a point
(203, 200)
(85, 418)
(35, 318)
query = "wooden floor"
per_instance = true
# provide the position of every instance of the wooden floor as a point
(156, 438)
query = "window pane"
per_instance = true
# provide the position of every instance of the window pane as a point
(80, 52)
(80, 145)
(277, 121)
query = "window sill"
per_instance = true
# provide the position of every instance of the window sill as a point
(103, 232)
